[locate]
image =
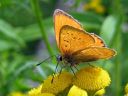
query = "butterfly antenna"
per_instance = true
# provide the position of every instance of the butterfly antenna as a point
(44, 60)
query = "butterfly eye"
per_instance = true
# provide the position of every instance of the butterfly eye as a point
(59, 58)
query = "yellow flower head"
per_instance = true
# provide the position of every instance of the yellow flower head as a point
(100, 92)
(59, 84)
(35, 91)
(126, 88)
(100, 9)
(92, 78)
(94, 3)
(75, 91)
(16, 94)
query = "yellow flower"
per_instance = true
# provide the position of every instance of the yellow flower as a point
(92, 78)
(126, 89)
(75, 91)
(95, 5)
(100, 9)
(100, 92)
(16, 94)
(59, 84)
(35, 91)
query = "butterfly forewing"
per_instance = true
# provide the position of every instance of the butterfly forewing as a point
(72, 39)
(93, 53)
(61, 18)
(98, 41)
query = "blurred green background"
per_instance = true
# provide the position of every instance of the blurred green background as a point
(27, 37)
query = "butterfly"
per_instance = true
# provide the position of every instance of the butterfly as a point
(75, 44)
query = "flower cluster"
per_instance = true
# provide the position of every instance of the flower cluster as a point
(88, 81)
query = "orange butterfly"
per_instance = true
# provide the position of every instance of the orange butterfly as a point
(75, 44)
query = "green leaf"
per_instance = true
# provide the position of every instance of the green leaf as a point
(88, 17)
(32, 32)
(6, 45)
(26, 66)
(8, 32)
(108, 29)
(89, 26)
(89, 21)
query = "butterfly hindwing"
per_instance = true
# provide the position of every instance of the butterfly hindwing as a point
(72, 39)
(93, 53)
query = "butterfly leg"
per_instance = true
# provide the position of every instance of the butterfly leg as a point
(72, 71)
(76, 67)
(55, 71)
(61, 70)
(56, 67)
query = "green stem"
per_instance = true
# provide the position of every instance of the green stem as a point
(118, 46)
(35, 6)
(117, 79)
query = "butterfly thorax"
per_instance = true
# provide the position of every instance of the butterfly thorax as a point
(67, 59)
